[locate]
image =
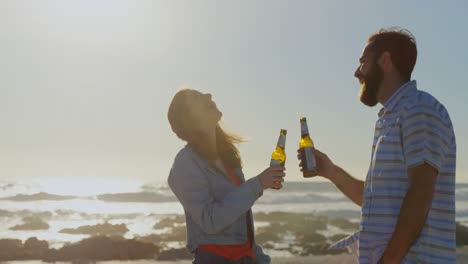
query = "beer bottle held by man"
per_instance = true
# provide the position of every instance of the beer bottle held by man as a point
(306, 146)
(278, 157)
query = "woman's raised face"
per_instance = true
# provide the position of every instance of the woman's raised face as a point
(203, 110)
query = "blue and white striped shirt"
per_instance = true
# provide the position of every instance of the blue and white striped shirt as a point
(413, 128)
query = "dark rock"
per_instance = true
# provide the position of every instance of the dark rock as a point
(142, 197)
(99, 229)
(35, 245)
(103, 248)
(13, 249)
(31, 223)
(122, 216)
(10, 245)
(153, 238)
(175, 254)
(38, 197)
(4, 213)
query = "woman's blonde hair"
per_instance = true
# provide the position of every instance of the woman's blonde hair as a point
(184, 126)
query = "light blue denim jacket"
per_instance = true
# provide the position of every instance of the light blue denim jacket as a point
(215, 209)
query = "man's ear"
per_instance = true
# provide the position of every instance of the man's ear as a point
(385, 61)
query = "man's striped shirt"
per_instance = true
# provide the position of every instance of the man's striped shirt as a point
(413, 128)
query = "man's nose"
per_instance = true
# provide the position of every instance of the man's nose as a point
(357, 73)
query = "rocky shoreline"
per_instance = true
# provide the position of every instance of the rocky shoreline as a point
(292, 233)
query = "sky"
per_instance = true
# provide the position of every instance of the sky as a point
(85, 85)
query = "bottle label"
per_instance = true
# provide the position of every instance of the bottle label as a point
(309, 159)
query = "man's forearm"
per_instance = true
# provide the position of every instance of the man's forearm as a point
(350, 186)
(413, 214)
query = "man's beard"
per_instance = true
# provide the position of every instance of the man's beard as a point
(370, 85)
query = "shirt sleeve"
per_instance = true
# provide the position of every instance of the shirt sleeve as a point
(425, 136)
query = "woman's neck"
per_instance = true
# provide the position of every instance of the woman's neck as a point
(211, 140)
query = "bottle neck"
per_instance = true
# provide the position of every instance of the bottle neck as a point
(281, 141)
(304, 129)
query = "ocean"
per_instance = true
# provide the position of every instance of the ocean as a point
(34, 210)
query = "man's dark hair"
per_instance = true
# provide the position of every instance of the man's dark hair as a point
(401, 45)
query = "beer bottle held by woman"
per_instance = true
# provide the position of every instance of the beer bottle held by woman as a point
(306, 146)
(278, 157)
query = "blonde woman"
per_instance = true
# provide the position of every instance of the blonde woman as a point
(207, 179)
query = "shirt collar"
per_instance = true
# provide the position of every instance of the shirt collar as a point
(405, 89)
